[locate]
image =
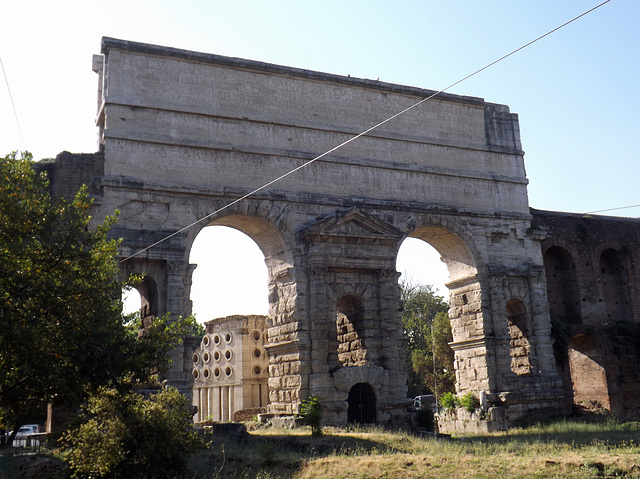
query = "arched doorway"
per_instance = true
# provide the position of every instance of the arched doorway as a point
(588, 374)
(362, 404)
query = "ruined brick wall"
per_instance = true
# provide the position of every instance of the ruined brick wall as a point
(69, 171)
(593, 286)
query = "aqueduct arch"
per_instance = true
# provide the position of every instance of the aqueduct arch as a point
(184, 134)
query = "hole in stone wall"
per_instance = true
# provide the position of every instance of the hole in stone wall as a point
(520, 347)
(349, 336)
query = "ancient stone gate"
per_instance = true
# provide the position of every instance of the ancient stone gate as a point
(184, 134)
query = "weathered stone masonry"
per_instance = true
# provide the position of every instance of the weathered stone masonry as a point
(183, 134)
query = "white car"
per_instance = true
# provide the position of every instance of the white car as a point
(23, 437)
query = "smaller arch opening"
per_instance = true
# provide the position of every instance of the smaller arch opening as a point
(519, 344)
(228, 371)
(255, 335)
(206, 374)
(228, 354)
(257, 370)
(205, 341)
(362, 404)
(349, 339)
(216, 356)
(257, 353)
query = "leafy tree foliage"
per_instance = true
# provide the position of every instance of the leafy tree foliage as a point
(126, 434)
(62, 333)
(426, 326)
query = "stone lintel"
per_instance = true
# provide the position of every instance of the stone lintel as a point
(472, 343)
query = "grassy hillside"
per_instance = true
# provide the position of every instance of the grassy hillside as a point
(562, 449)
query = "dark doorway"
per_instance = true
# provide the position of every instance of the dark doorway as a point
(362, 404)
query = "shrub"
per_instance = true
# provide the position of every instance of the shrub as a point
(469, 401)
(129, 435)
(311, 412)
(449, 401)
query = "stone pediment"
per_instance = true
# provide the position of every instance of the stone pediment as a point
(352, 226)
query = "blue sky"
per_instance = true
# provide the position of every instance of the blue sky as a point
(576, 91)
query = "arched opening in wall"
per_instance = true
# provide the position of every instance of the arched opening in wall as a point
(231, 276)
(588, 374)
(242, 268)
(615, 286)
(439, 257)
(420, 264)
(519, 344)
(451, 264)
(362, 404)
(562, 286)
(143, 298)
(349, 334)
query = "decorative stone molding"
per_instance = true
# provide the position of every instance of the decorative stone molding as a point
(345, 378)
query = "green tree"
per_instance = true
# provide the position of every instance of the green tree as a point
(62, 332)
(126, 434)
(427, 328)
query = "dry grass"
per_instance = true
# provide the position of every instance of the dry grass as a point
(564, 450)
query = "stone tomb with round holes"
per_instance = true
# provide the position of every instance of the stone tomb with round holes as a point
(230, 368)
(183, 134)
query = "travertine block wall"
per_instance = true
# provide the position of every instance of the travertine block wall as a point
(186, 133)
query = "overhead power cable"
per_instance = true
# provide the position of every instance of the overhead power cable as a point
(15, 113)
(365, 132)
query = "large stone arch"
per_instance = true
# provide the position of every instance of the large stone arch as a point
(185, 134)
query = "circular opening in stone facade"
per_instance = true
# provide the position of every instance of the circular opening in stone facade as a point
(228, 354)
(216, 355)
(228, 371)
(216, 372)
(196, 374)
(216, 339)
(257, 370)
(206, 357)
(205, 341)
(196, 359)
(228, 337)
(255, 335)
(257, 353)
(206, 374)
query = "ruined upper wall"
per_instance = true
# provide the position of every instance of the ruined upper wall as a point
(589, 240)
(196, 119)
